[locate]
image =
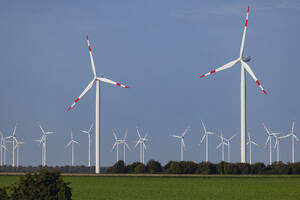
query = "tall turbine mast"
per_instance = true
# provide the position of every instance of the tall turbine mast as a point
(244, 66)
(89, 137)
(96, 79)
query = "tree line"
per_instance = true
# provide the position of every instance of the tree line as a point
(190, 167)
(172, 167)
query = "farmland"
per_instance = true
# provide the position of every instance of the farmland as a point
(180, 187)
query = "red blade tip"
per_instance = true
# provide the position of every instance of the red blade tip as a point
(264, 91)
(202, 76)
(126, 87)
(69, 108)
(248, 8)
(87, 37)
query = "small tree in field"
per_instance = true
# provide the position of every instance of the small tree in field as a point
(43, 185)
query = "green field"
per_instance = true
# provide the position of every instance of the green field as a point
(161, 188)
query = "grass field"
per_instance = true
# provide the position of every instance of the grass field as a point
(175, 188)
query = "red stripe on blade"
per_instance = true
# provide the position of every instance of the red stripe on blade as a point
(118, 84)
(246, 22)
(90, 48)
(87, 37)
(258, 83)
(248, 8)
(69, 108)
(264, 91)
(126, 87)
(76, 100)
(202, 76)
(213, 71)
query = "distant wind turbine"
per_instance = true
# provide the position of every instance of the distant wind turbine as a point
(206, 133)
(293, 136)
(143, 148)
(89, 137)
(222, 144)
(269, 139)
(116, 145)
(17, 147)
(43, 141)
(228, 145)
(276, 146)
(97, 80)
(250, 142)
(12, 137)
(182, 145)
(72, 142)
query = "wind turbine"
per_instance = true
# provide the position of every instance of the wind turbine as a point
(250, 142)
(72, 141)
(17, 147)
(125, 145)
(206, 133)
(244, 66)
(2, 147)
(269, 139)
(292, 134)
(96, 80)
(89, 136)
(182, 145)
(142, 141)
(228, 145)
(12, 137)
(277, 142)
(43, 141)
(222, 143)
(116, 144)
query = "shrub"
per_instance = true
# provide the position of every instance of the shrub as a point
(206, 168)
(43, 185)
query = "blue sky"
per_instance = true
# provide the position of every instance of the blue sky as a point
(159, 49)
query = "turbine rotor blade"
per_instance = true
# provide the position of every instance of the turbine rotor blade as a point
(91, 56)
(246, 67)
(244, 34)
(111, 82)
(228, 65)
(83, 93)
(203, 137)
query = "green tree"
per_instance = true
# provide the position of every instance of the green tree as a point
(140, 168)
(119, 167)
(154, 166)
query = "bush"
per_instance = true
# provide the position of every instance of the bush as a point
(154, 166)
(188, 167)
(43, 185)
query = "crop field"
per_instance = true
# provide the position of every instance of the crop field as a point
(183, 187)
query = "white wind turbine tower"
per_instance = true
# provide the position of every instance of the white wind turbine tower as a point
(269, 139)
(206, 133)
(182, 145)
(277, 143)
(250, 142)
(96, 80)
(72, 142)
(17, 147)
(125, 145)
(292, 134)
(12, 137)
(44, 143)
(228, 145)
(116, 144)
(3, 149)
(89, 136)
(142, 141)
(222, 144)
(244, 66)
